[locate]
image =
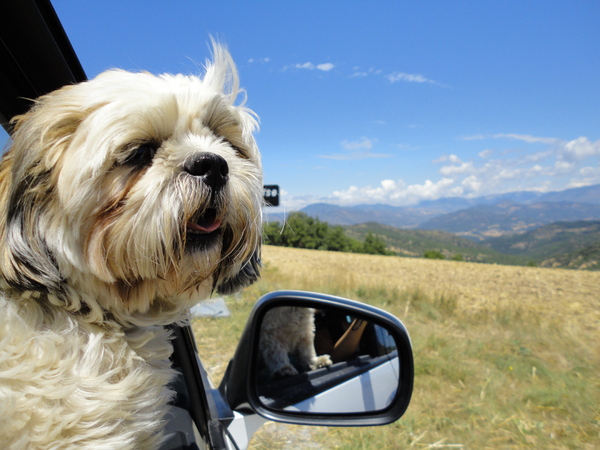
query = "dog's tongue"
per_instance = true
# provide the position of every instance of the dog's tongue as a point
(206, 226)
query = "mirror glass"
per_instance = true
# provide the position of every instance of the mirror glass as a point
(325, 361)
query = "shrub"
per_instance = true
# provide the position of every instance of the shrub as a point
(303, 231)
(433, 254)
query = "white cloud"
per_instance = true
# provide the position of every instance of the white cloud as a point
(526, 138)
(475, 137)
(472, 184)
(538, 156)
(356, 150)
(590, 171)
(259, 60)
(355, 145)
(579, 149)
(462, 168)
(325, 67)
(451, 158)
(306, 65)
(358, 72)
(512, 136)
(541, 169)
(289, 203)
(558, 164)
(535, 171)
(562, 167)
(355, 156)
(397, 193)
(585, 177)
(408, 77)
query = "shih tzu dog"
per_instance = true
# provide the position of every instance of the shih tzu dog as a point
(287, 342)
(123, 202)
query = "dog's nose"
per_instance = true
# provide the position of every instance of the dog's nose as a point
(212, 168)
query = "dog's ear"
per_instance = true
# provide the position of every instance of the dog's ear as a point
(247, 275)
(27, 193)
(26, 262)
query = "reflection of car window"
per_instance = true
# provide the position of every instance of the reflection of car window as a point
(344, 337)
(354, 345)
(339, 335)
(281, 393)
(385, 341)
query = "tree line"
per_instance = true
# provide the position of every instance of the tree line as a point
(303, 231)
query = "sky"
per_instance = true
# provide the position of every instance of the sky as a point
(390, 102)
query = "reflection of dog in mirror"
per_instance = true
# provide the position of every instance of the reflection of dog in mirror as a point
(123, 202)
(287, 342)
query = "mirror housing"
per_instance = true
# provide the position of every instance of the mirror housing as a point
(243, 385)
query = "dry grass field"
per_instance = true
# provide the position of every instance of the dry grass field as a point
(505, 357)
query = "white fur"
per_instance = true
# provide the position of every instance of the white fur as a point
(285, 331)
(67, 383)
(96, 251)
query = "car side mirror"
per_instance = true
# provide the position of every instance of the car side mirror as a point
(315, 359)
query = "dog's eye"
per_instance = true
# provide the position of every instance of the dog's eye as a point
(142, 155)
(240, 151)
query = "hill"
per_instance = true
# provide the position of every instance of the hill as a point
(396, 216)
(479, 217)
(561, 244)
(417, 242)
(585, 194)
(587, 257)
(483, 221)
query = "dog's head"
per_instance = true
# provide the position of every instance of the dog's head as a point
(142, 191)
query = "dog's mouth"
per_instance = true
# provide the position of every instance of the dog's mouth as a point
(205, 224)
(202, 231)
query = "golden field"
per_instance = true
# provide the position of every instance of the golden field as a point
(571, 296)
(505, 356)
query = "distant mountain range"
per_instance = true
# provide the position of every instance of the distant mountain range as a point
(556, 229)
(476, 218)
(416, 242)
(482, 221)
(399, 217)
(562, 244)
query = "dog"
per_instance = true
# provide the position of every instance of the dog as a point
(286, 342)
(124, 200)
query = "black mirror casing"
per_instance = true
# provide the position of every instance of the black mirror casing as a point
(239, 385)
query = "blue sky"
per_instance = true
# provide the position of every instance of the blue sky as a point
(384, 102)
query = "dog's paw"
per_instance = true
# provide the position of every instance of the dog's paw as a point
(321, 361)
(285, 371)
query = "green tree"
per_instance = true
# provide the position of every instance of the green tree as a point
(303, 231)
(374, 245)
(337, 240)
(433, 254)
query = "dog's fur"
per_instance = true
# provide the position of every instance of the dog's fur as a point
(111, 226)
(289, 331)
